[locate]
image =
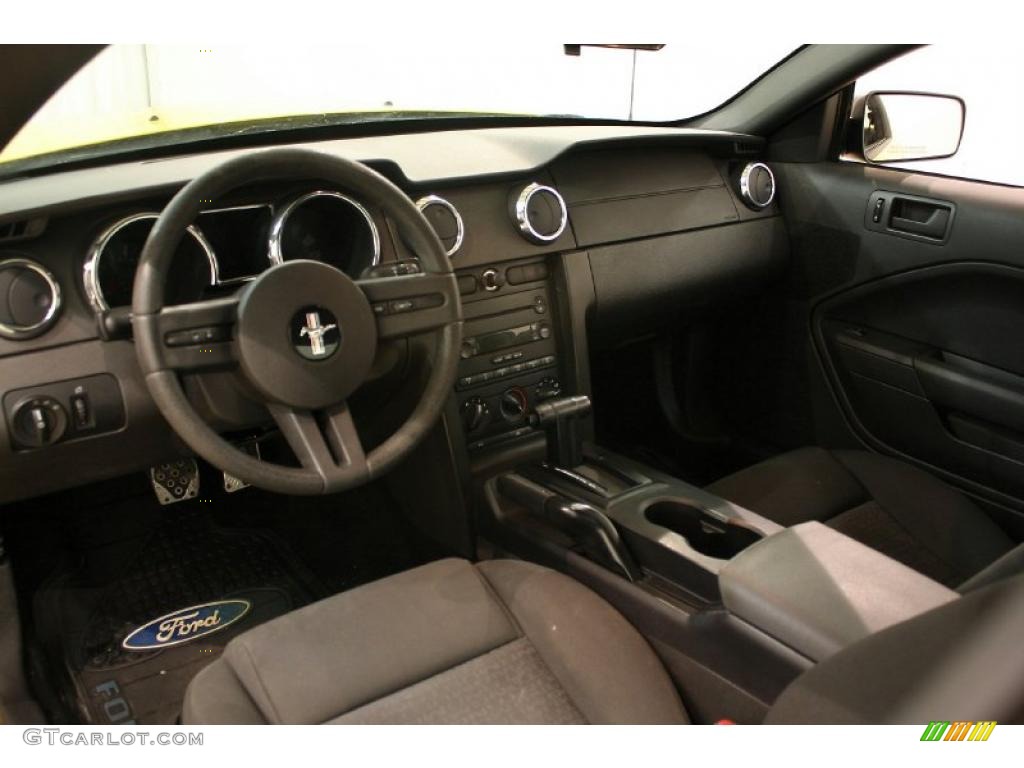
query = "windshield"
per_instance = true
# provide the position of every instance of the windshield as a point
(157, 91)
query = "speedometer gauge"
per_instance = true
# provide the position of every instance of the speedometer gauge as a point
(109, 272)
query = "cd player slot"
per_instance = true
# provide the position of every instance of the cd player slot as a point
(473, 346)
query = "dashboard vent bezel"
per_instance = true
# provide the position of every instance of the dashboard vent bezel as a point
(521, 213)
(425, 202)
(23, 332)
(747, 194)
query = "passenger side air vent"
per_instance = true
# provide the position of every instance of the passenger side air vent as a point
(757, 186)
(21, 230)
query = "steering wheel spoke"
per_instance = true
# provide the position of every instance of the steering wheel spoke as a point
(412, 304)
(326, 442)
(198, 336)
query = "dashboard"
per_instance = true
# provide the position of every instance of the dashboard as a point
(561, 238)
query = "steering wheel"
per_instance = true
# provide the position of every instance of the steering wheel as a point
(303, 334)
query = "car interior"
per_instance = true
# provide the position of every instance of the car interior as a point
(509, 420)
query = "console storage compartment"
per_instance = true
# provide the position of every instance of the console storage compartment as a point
(817, 590)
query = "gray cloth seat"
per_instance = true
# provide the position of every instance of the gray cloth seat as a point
(888, 505)
(510, 642)
(498, 642)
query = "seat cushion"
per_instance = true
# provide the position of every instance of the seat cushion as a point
(888, 505)
(451, 642)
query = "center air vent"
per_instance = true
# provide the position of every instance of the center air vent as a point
(445, 220)
(29, 298)
(539, 212)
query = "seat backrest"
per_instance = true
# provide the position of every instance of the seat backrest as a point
(960, 661)
(1010, 564)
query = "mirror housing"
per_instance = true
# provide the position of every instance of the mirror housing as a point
(898, 126)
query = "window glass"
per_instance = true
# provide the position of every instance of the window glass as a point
(157, 92)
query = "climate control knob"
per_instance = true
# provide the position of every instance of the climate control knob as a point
(514, 404)
(548, 387)
(475, 414)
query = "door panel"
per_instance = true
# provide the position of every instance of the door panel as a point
(918, 319)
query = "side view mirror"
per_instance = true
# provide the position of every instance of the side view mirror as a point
(900, 125)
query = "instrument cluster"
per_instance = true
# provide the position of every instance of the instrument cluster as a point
(228, 246)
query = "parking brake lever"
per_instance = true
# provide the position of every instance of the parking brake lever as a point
(591, 528)
(598, 534)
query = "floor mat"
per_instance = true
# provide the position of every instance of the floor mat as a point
(186, 562)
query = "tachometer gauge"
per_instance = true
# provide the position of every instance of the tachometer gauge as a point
(329, 227)
(109, 271)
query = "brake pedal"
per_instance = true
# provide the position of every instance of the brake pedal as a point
(232, 483)
(175, 481)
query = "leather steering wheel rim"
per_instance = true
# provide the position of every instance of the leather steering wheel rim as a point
(323, 436)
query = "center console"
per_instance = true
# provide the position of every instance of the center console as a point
(510, 351)
(728, 598)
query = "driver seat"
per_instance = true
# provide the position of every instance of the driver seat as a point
(506, 641)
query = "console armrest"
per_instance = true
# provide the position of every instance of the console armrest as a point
(817, 590)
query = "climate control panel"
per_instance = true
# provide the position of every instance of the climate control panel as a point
(504, 410)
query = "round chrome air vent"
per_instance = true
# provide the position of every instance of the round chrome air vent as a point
(445, 220)
(29, 298)
(540, 213)
(757, 186)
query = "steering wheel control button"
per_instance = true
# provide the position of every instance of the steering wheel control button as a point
(315, 333)
(306, 334)
(394, 269)
(175, 481)
(196, 336)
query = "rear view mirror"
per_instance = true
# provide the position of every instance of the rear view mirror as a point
(911, 126)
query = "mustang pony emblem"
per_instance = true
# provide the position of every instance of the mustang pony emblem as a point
(316, 332)
(187, 624)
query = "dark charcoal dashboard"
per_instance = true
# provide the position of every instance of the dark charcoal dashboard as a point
(550, 234)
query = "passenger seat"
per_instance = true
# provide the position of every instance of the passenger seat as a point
(888, 505)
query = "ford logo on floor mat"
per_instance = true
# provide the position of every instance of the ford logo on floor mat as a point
(186, 625)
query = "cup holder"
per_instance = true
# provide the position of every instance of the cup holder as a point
(706, 534)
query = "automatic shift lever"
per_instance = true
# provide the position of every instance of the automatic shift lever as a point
(560, 419)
